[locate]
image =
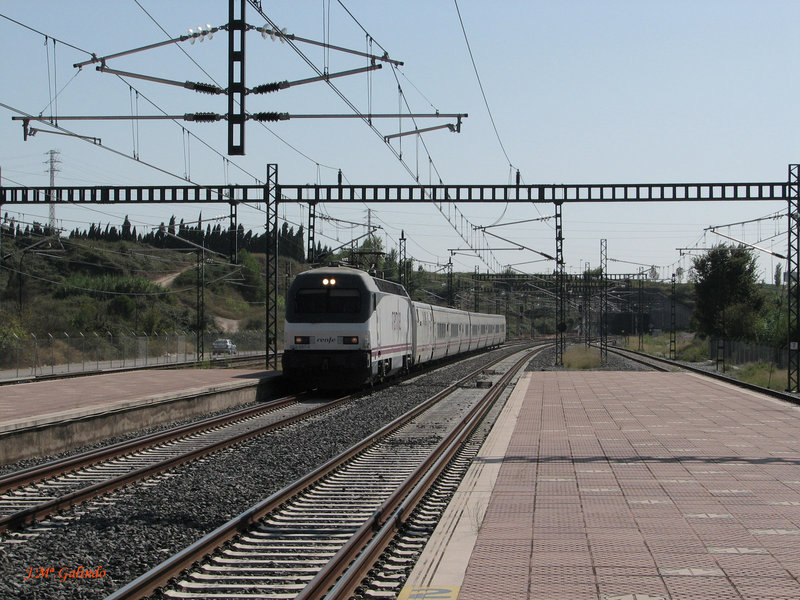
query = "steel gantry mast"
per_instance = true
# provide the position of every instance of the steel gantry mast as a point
(604, 301)
(561, 317)
(640, 316)
(311, 233)
(793, 285)
(237, 28)
(272, 194)
(673, 348)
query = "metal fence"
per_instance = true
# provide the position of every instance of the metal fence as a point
(736, 352)
(23, 356)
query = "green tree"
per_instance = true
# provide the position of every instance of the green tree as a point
(127, 233)
(369, 256)
(596, 272)
(254, 286)
(390, 269)
(727, 296)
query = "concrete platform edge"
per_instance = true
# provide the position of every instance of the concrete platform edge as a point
(59, 432)
(443, 563)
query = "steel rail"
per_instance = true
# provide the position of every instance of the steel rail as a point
(85, 459)
(161, 574)
(349, 567)
(36, 513)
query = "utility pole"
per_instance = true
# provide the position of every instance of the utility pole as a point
(52, 164)
(2, 223)
(201, 300)
(476, 293)
(793, 280)
(604, 301)
(673, 329)
(401, 267)
(641, 310)
(450, 282)
(587, 305)
(311, 233)
(561, 324)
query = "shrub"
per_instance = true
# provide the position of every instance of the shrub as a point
(580, 357)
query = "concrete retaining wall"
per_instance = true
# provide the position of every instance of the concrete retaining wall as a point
(66, 433)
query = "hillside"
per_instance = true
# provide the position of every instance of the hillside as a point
(68, 286)
(54, 284)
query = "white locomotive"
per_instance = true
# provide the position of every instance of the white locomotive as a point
(345, 328)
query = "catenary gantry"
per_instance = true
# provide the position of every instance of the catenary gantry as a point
(272, 193)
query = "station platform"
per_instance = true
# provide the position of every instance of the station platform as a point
(47, 417)
(624, 486)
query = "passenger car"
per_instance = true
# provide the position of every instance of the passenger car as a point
(223, 346)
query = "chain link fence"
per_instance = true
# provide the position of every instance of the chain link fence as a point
(24, 356)
(736, 352)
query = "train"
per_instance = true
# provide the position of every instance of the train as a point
(346, 328)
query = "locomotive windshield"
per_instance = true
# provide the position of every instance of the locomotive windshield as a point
(328, 301)
(322, 297)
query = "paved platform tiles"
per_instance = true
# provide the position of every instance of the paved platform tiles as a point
(625, 486)
(39, 402)
(48, 417)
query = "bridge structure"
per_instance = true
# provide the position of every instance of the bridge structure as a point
(272, 193)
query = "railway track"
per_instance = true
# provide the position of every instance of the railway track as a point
(34, 494)
(327, 529)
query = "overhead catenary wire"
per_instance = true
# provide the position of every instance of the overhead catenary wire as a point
(291, 43)
(207, 74)
(480, 84)
(29, 28)
(55, 125)
(485, 99)
(365, 118)
(772, 217)
(188, 133)
(100, 145)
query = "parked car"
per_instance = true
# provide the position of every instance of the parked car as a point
(223, 346)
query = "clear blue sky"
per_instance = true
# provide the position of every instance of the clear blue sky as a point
(580, 91)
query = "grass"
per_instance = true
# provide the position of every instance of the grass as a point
(761, 374)
(582, 358)
(692, 349)
(688, 347)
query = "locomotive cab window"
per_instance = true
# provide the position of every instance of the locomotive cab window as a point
(344, 301)
(310, 301)
(330, 296)
(328, 301)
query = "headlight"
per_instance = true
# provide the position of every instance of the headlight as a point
(301, 339)
(350, 339)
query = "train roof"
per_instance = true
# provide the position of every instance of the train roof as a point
(374, 284)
